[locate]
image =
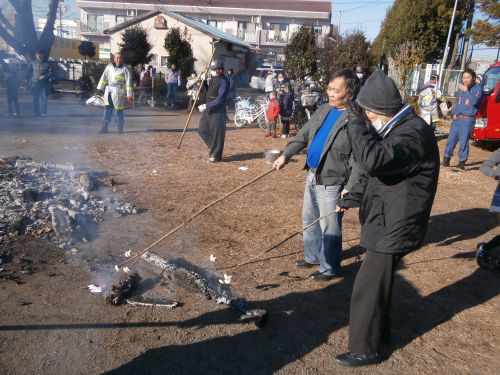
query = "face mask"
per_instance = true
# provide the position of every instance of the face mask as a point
(377, 124)
(359, 75)
(280, 79)
(213, 73)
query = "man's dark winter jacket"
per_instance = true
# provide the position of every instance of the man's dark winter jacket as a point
(335, 164)
(40, 69)
(402, 174)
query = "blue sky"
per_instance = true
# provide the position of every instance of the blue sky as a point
(368, 15)
(360, 15)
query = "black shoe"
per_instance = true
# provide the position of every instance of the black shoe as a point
(301, 263)
(461, 166)
(120, 131)
(354, 359)
(320, 276)
(103, 131)
(445, 162)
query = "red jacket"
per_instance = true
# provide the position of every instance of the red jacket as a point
(273, 110)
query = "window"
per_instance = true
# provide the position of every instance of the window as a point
(163, 61)
(277, 26)
(242, 25)
(218, 24)
(120, 19)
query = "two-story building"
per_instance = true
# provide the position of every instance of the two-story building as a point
(265, 24)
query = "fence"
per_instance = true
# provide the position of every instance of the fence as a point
(420, 76)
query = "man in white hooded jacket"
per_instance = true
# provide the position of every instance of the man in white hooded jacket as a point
(116, 80)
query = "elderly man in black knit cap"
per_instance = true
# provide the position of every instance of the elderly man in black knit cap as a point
(398, 153)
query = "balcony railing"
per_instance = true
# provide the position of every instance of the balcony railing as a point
(94, 28)
(248, 36)
(273, 37)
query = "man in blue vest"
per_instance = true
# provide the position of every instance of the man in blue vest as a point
(329, 176)
(212, 125)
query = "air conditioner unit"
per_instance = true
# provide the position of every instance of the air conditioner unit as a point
(131, 13)
(255, 19)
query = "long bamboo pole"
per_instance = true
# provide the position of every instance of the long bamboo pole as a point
(196, 98)
(183, 224)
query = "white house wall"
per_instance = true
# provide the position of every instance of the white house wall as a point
(201, 44)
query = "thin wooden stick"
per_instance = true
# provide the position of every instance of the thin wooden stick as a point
(196, 99)
(139, 254)
(278, 244)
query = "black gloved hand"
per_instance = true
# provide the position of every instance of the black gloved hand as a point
(355, 113)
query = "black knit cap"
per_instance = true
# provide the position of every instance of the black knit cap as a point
(380, 94)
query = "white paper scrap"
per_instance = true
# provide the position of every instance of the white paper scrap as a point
(212, 258)
(243, 168)
(94, 288)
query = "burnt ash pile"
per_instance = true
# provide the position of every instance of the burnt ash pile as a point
(54, 202)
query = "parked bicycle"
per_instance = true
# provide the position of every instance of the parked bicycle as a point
(247, 111)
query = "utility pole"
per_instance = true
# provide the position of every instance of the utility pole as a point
(445, 55)
(60, 17)
(470, 15)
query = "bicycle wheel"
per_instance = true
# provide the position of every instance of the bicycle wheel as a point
(261, 120)
(299, 118)
(239, 119)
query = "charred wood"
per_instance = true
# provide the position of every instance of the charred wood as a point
(123, 290)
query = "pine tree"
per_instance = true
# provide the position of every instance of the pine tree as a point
(86, 49)
(301, 54)
(425, 22)
(180, 52)
(487, 31)
(135, 46)
(344, 52)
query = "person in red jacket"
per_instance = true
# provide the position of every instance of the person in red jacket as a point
(272, 114)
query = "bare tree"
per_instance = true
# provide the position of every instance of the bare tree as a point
(21, 34)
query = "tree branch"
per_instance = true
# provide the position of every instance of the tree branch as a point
(16, 4)
(5, 22)
(9, 39)
(48, 30)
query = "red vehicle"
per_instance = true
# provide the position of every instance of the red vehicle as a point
(487, 127)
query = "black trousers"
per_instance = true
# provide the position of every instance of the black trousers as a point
(369, 320)
(286, 126)
(212, 129)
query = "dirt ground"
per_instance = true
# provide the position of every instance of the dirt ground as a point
(445, 309)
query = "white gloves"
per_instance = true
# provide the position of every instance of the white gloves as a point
(202, 107)
(203, 76)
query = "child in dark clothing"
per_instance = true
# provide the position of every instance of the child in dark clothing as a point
(286, 111)
(272, 114)
(12, 83)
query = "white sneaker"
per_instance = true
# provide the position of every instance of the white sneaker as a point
(284, 135)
